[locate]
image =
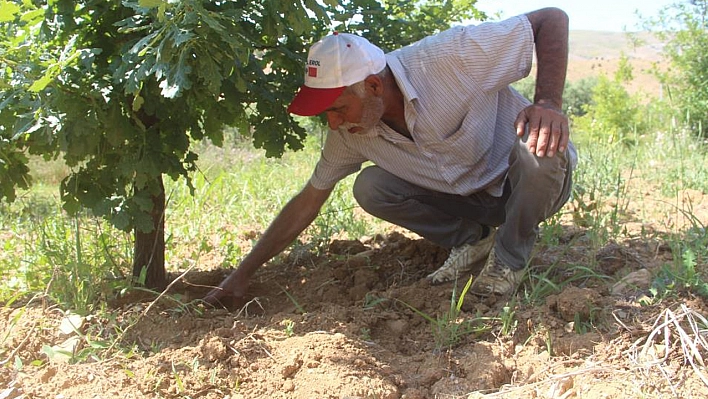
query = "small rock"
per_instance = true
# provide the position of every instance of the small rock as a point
(570, 327)
(292, 366)
(559, 388)
(71, 323)
(397, 327)
(640, 279)
(288, 386)
(64, 352)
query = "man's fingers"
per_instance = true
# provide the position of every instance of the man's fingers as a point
(564, 138)
(534, 141)
(520, 123)
(545, 140)
(555, 138)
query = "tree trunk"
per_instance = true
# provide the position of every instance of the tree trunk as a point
(149, 250)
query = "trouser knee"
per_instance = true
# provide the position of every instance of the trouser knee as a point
(541, 183)
(366, 189)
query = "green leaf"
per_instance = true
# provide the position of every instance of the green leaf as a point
(18, 363)
(121, 221)
(8, 11)
(318, 9)
(32, 16)
(144, 203)
(41, 83)
(143, 223)
(138, 102)
(71, 205)
(212, 23)
(151, 3)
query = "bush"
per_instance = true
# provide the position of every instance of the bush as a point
(577, 96)
(613, 114)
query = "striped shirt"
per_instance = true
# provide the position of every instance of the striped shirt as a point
(459, 109)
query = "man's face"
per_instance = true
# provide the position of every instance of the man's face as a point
(355, 114)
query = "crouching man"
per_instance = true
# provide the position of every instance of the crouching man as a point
(460, 158)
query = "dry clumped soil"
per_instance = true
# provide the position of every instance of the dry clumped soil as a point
(358, 322)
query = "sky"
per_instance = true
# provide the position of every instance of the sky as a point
(598, 15)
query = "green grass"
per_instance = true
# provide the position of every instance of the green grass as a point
(74, 260)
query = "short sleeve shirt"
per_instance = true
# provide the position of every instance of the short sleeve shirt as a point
(459, 110)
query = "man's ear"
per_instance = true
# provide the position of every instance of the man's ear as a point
(374, 85)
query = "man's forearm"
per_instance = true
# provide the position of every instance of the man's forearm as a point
(550, 27)
(297, 214)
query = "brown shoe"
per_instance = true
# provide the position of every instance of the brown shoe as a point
(463, 259)
(496, 278)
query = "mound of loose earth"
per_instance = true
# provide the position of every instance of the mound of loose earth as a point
(361, 322)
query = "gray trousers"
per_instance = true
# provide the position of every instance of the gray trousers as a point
(534, 190)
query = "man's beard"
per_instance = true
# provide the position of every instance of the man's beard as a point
(372, 111)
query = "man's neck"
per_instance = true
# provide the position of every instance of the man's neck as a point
(394, 114)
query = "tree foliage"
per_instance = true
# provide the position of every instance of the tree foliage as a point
(391, 24)
(685, 29)
(120, 90)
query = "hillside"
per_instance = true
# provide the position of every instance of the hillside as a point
(596, 53)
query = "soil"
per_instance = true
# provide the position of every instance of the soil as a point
(361, 321)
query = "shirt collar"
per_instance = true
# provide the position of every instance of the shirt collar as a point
(399, 73)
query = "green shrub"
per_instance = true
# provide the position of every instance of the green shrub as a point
(577, 96)
(613, 115)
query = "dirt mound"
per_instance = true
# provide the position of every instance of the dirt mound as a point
(360, 321)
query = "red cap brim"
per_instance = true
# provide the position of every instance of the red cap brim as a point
(311, 102)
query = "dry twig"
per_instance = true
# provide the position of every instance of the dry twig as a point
(692, 343)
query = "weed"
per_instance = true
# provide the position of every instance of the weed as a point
(581, 324)
(551, 230)
(178, 379)
(549, 280)
(549, 342)
(680, 276)
(298, 307)
(507, 318)
(449, 328)
(365, 334)
(289, 327)
(71, 260)
(370, 301)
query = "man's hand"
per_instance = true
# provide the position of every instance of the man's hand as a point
(233, 288)
(547, 126)
(297, 214)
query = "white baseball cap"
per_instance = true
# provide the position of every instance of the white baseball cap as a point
(333, 63)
